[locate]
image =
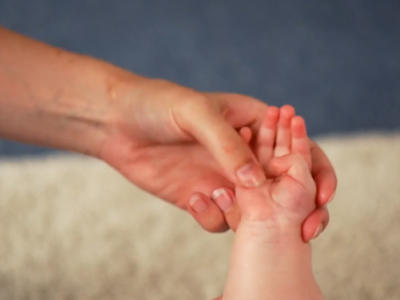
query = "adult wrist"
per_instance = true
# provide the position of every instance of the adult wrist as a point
(119, 94)
(89, 112)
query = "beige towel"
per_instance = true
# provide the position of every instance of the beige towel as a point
(72, 228)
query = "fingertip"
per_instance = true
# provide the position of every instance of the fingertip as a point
(299, 129)
(315, 223)
(323, 222)
(325, 217)
(324, 175)
(287, 111)
(246, 134)
(197, 203)
(206, 213)
(225, 199)
(250, 174)
(325, 197)
(326, 185)
(272, 112)
(271, 117)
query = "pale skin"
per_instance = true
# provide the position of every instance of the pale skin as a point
(152, 131)
(269, 258)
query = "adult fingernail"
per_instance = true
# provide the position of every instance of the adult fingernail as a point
(250, 175)
(318, 231)
(223, 199)
(197, 204)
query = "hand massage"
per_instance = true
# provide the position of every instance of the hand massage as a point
(230, 160)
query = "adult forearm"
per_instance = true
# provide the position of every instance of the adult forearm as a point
(52, 97)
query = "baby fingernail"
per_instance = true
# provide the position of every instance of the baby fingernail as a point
(318, 231)
(198, 204)
(223, 199)
(250, 175)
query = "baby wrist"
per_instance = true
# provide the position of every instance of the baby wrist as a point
(271, 232)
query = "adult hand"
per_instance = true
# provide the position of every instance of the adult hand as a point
(176, 143)
(184, 147)
(179, 144)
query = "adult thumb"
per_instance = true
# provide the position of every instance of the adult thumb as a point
(204, 122)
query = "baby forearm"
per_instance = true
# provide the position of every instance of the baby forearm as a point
(53, 97)
(267, 266)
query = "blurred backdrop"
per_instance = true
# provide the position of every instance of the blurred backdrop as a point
(71, 228)
(337, 62)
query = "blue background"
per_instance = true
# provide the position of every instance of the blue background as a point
(337, 61)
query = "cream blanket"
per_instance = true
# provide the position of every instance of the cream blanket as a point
(73, 228)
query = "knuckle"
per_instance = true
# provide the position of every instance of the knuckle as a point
(193, 103)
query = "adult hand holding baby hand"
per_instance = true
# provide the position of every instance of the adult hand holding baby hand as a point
(183, 146)
(177, 143)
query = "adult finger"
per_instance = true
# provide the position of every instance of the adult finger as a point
(225, 197)
(206, 123)
(246, 134)
(240, 110)
(323, 174)
(225, 200)
(315, 223)
(206, 213)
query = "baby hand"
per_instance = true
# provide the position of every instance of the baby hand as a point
(288, 196)
(269, 258)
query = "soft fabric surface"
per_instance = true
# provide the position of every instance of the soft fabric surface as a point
(72, 228)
